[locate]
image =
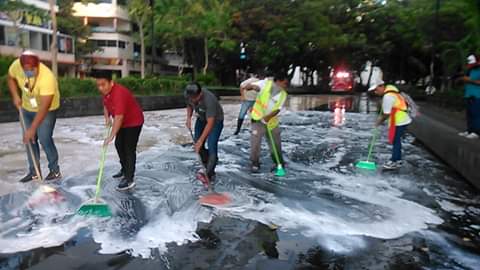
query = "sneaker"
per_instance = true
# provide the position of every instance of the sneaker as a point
(391, 165)
(53, 176)
(472, 135)
(255, 167)
(29, 177)
(125, 184)
(464, 134)
(274, 168)
(118, 174)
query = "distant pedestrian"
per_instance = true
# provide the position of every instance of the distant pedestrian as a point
(248, 95)
(394, 108)
(121, 105)
(472, 97)
(38, 102)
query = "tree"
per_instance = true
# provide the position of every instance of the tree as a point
(53, 45)
(140, 12)
(74, 26)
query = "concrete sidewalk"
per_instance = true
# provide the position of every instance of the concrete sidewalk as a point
(438, 129)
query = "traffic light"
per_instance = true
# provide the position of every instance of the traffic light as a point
(243, 52)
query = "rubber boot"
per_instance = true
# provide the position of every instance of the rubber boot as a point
(211, 164)
(204, 156)
(239, 126)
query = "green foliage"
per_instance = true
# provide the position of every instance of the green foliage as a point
(207, 79)
(72, 87)
(5, 62)
(16, 11)
(4, 93)
(72, 25)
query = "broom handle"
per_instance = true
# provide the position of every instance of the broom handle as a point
(274, 148)
(372, 143)
(374, 138)
(29, 146)
(201, 162)
(102, 163)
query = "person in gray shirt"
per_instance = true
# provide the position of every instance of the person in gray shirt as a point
(208, 125)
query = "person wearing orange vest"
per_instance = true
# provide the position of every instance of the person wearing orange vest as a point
(394, 108)
(268, 104)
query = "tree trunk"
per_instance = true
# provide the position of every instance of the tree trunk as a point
(205, 47)
(142, 50)
(53, 46)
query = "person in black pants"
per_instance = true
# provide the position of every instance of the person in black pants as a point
(128, 119)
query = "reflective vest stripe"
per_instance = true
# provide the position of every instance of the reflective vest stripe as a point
(260, 107)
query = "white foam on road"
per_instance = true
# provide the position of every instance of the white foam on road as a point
(334, 223)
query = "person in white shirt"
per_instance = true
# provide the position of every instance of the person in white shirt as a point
(247, 96)
(394, 108)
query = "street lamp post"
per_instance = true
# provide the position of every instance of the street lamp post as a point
(434, 44)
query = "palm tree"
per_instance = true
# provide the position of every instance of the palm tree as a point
(140, 11)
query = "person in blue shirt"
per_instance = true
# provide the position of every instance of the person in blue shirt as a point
(472, 97)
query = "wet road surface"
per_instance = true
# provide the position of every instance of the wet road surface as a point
(325, 214)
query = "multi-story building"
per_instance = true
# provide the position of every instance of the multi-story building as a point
(35, 34)
(119, 49)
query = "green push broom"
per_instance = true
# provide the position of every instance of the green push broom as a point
(367, 164)
(96, 206)
(280, 170)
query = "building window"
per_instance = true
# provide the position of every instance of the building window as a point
(2, 35)
(121, 44)
(101, 43)
(111, 43)
(136, 48)
(44, 42)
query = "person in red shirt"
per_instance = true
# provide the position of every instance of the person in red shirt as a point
(121, 105)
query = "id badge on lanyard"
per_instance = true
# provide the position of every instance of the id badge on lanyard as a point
(29, 93)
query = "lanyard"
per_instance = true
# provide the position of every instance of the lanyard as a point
(29, 86)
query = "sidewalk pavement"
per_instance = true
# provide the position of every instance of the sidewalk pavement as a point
(438, 130)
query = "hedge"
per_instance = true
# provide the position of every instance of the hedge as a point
(70, 87)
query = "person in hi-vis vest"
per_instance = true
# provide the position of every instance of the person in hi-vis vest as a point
(394, 109)
(269, 102)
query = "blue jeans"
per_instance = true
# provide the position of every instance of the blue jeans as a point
(210, 157)
(397, 143)
(473, 115)
(246, 105)
(45, 136)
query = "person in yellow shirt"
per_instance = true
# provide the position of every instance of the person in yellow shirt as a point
(38, 102)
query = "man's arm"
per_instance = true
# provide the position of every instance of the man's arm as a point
(242, 93)
(252, 86)
(188, 123)
(270, 115)
(117, 125)
(13, 88)
(381, 119)
(45, 102)
(206, 131)
(108, 121)
(467, 79)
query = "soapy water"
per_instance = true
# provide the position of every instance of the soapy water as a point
(323, 196)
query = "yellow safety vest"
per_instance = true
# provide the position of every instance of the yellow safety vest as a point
(260, 107)
(400, 104)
